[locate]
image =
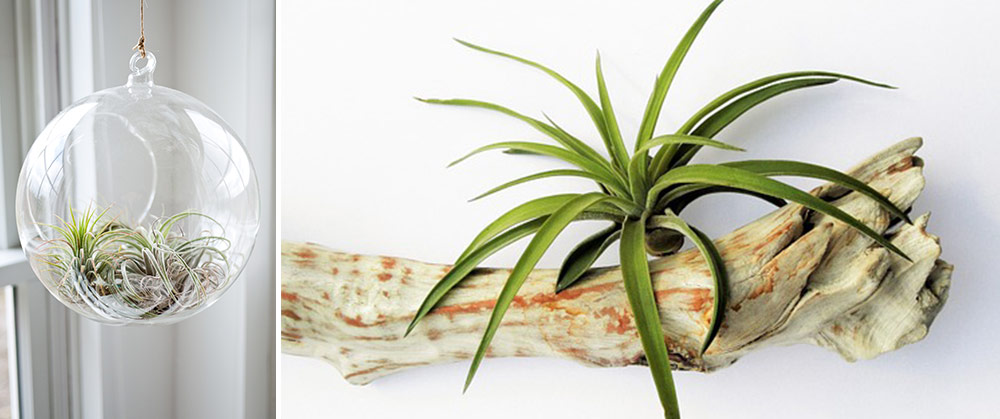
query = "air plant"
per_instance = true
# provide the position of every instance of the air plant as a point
(82, 253)
(642, 195)
(146, 272)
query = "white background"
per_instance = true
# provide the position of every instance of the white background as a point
(362, 170)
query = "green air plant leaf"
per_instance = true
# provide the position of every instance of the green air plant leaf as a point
(725, 116)
(646, 314)
(637, 176)
(608, 178)
(682, 196)
(715, 265)
(593, 110)
(742, 179)
(583, 256)
(716, 103)
(676, 139)
(568, 141)
(666, 77)
(536, 176)
(662, 85)
(616, 146)
(529, 210)
(135, 272)
(664, 155)
(467, 263)
(539, 244)
(640, 196)
(795, 168)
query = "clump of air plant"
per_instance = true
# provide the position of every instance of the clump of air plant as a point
(641, 195)
(135, 272)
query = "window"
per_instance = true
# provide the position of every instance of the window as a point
(34, 357)
(218, 364)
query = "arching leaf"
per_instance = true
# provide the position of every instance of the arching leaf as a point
(583, 256)
(725, 116)
(715, 266)
(592, 109)
(747, 180)
(467, 263)
(613, 142)
(532, 253)
(569, 142)
(802, 169)
(645, 313)
(609, 179)
(536, 176)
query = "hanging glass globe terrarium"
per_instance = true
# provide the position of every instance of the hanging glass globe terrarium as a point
(137, 204)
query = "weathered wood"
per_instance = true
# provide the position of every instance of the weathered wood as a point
(795, 277)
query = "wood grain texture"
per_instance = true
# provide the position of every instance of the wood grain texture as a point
(795, 277)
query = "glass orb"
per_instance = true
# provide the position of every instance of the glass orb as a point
(137, 204)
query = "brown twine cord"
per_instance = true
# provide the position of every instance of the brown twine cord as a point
(141, 45)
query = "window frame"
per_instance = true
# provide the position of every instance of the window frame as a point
(43, 361)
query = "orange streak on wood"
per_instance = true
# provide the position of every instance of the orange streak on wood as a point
(290, 314)
(353, 321)
(900, 166)
(698, 298)
(305, 254)
(287, 296)
(620, 321)
(546, 299)
(571, 293)
(773, 236)
(466, 308)
(357, 322)
(379, 367)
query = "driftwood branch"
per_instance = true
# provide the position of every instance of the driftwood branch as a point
(795, 277)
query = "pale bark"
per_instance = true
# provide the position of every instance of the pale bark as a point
(795, 277)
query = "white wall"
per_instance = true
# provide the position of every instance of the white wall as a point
(220, 363)
(363, 171)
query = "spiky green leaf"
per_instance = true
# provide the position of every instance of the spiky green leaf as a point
(561, 137)
(532, 209)
(747, 180)
(613, 142)
(673, 139)
(592, 109)
(645, 313)
(467, 263)
(715, 266)
(529, 258)
(677, 199)
(666, 76)
(725, 116)
(608, 178)
(724, 98)
(664, 156)
(536, 176)
(637, 173)
(802, 169)
(583, 256)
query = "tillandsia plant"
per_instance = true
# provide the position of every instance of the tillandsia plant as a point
(641, 194)
(151, 270)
